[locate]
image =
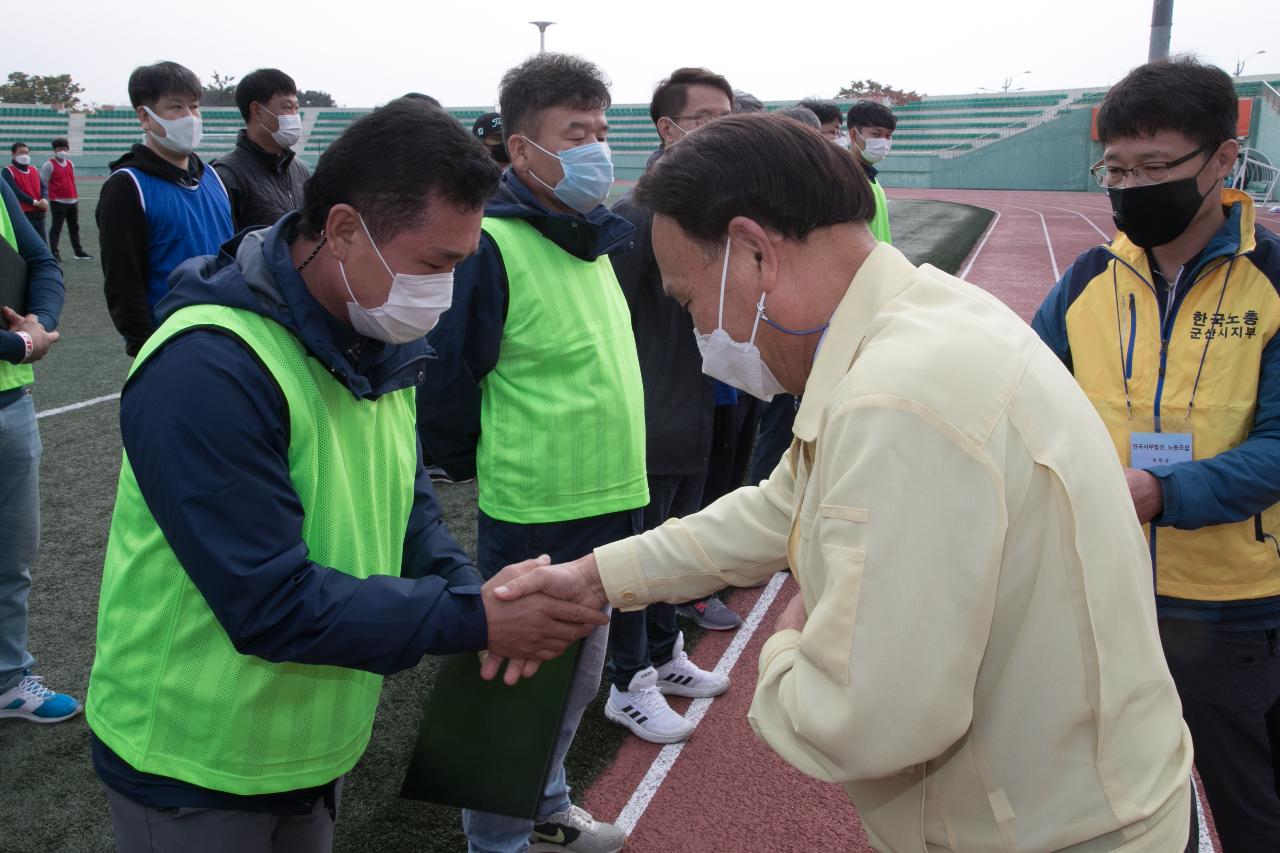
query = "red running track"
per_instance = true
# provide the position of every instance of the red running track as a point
(725, 792)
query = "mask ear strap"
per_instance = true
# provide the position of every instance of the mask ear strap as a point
(376, 250)
(724, 274)
(759, 313)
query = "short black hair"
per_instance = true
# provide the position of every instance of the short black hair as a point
(60, 142)
(769, 168)
(545, 81)
(1180, 94)
(672, 94)
(149, 83)
(13, 149)
(824, 110)
(745, 102)
(258, 87)
(426, 99)
(389, 161)
(871, 114)
(804, 115)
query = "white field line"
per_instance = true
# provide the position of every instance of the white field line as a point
(83, 404)
(1053, 260)
(1101, 233)
(964, 276)
(662, 765)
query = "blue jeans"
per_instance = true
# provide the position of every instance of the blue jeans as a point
(640, 639)
(500, 543)
(20, 451)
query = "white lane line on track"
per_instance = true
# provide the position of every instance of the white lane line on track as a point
(661, 766)
(1053, 261)
(1206, 840)
(1101, 233)
(964, 276)
(83, 404)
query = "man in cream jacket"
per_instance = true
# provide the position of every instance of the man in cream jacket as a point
(973, 653)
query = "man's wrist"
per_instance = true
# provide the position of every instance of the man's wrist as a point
(28, 344)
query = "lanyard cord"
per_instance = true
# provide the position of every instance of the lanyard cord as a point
(1205, 352)
(1124, 377)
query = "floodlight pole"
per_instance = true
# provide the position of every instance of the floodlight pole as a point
(1161, 29)
(542, 34)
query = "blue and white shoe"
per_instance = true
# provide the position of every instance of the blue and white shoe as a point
(34, 702)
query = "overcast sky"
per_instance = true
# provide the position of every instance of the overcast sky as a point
(368, 51)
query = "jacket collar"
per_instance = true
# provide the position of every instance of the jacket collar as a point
(279, 163)
(585, 237)
(1235, 237)
(883, 275)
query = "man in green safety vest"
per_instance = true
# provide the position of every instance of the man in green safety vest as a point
(540, 396)
(276, 546)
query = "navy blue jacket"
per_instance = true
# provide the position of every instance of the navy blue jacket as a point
(206, 432)
(45, 290)
(469, 335)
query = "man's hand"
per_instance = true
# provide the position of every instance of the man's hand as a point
(41, 204)
(533, 626)
(30, 324)
(578, 581)
(1147, 493)
(793, 616)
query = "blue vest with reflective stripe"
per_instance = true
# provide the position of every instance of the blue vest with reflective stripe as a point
(182, 222)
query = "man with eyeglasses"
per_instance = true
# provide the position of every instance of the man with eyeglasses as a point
(1171, 331)
(646, 651)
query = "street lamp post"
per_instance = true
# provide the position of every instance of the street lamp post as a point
(1240, 62)
(542, 34)
(1008, 83)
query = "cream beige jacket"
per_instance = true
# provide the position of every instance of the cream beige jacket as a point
(980, 668)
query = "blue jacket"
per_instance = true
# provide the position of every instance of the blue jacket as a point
(1202, 357)
(469, 335)
(45, 290)
(201, 410)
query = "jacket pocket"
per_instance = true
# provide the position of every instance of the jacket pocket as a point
(827, 639)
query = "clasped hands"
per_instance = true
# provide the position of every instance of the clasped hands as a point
(536, 610)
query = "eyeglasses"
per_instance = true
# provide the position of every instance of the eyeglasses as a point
(1144, 173)
(696, 120)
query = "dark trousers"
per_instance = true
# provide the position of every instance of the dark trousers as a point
(70, 214)
(733, 433)
(644, 638)
(774, 437)
(37, 222)
(1229, 683)
(143, 829)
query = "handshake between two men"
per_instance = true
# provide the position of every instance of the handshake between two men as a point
(536, 610)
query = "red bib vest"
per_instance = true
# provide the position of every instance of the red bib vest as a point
(29, 183)
(62, 182)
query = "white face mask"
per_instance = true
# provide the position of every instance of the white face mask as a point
(413, 306)
(875, 150)
(23, 159)
(842, 141)
(61, 155)
(734, 362)
(290, 128)
(182, 135)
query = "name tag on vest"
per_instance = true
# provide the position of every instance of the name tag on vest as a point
(1147, 449)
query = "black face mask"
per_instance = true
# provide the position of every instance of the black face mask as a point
(500, 154)
(1158, 213)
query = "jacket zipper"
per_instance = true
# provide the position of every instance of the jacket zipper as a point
(1133, 334)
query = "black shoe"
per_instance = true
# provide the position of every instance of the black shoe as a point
(82, 256)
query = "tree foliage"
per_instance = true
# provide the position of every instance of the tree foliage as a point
(315, 98)
(219, 92)
(41, 89)
(871, 90)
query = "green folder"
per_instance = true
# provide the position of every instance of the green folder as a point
(484, 745)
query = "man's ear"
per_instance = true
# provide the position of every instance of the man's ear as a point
(1225, 158)
(341, 227)
(669, 132)
(518, 151)
(749, 235)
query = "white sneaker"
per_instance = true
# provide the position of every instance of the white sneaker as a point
(682, 677)
(643, 709)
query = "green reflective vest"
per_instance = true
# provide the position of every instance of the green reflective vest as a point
(12, 375)
(168, 692)
(562, 413)
(879, 223)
